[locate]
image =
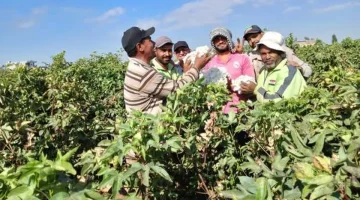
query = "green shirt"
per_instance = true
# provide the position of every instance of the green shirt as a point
(171, 73)
(281, 83)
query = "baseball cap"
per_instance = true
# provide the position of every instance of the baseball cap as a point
(180, 44)
(272, 40)
(252, 29)
(134, 35)
(161, 41)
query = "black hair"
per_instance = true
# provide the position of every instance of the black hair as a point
(132, 53)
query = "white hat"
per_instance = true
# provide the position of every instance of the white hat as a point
(272, 40)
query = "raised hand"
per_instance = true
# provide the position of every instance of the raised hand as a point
(239, 47)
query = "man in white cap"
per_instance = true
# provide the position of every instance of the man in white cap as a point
(163, 55)
(277, 80)
(253, 35)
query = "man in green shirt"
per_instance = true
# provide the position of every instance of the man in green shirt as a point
(162, 62)
(276, 80)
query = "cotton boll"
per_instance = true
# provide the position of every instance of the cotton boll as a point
(200, 51)
(243, 78)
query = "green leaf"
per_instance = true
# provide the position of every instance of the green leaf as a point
(67, 156)
(321, 179)
(248, 183)
(321, 191)
(280, 163)
(93, 195)
(104, 143)
(145, 176)
(236, 194)
(117, 184)
(135, 167)
(60, 196)
(292, 194)
(65, 166)
(319, 144)
(251, 165)
(307, 190)
(303, 171)
(292, 151)
(161, 172)
(108, 180)
(231, 119)
(298, 142)
(261, 191)
(23, 192)
(175, 143)
(355, 171)
(86, 168)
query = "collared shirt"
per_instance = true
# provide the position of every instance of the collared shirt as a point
(145, 88)
(257, 63)
(280, 83)
(171, 73)
(237, 65)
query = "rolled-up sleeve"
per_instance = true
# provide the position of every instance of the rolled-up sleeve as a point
(155, 84)
(306, 69)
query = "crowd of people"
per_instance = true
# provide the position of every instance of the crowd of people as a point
(152, 74)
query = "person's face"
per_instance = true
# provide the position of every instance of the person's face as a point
(253, 39)
(146, 47)
(269, 57)
(181, 52)
(164, 53)
(221, 44)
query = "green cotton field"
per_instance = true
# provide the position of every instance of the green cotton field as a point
(64, 134)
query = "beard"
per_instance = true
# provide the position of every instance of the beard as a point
(270, 66)
(223, 50)
(273, 64)
(164, 61)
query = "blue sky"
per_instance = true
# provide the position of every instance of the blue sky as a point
(40, 29)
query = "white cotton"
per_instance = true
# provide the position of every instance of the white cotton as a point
(202, 50)
(243, 78)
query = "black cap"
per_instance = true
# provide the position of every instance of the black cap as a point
(134, 35)
(252, 29)
(180, 44)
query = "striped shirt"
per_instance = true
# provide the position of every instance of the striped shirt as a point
(145, 88)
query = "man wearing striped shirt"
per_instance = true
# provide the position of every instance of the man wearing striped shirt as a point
(145, 89)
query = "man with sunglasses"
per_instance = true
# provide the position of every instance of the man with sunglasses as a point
(181, 49)
(145, 89)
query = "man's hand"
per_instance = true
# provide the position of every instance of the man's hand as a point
(295, 64)
(201, 61)
(247, 88)
(186, 66)
(239, 47)
(229, 84)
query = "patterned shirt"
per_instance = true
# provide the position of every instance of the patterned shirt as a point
(145, 88)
